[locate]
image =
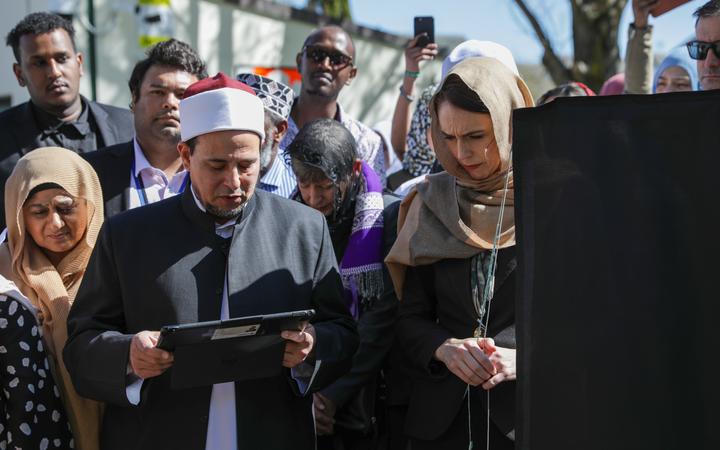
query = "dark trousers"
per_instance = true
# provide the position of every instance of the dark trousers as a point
(348, 440)
(457, 436)
(394, 437)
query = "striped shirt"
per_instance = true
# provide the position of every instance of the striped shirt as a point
(279, 179)
(370, 145)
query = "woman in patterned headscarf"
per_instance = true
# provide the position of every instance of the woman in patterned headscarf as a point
(419, 154)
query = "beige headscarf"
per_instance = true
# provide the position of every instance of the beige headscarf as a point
(450, 215)
(50, 289)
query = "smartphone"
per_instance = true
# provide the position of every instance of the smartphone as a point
(424, 24)
(664, 6)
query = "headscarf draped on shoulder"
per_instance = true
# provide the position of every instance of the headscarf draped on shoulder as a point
(52, 290)
(452, 215)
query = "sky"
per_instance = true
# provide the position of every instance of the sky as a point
(501, 21)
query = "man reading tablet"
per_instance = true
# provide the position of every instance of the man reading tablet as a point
(220, 250)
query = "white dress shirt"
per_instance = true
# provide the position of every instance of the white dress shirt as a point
(222, 426)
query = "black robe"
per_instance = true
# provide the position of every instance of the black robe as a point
(164, 264)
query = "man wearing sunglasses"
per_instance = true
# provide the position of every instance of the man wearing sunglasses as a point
(706, 46)
(326, 65)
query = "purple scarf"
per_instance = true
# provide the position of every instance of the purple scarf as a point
(361, 266)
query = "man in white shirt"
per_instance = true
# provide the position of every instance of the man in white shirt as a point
(148, 168)
(326, 63)
(276, 175)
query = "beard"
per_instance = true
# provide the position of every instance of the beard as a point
(224, 213)
(228, 213)
(267, 153)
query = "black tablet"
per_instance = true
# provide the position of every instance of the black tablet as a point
(172, 336)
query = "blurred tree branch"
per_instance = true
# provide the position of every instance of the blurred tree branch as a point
(596, 55)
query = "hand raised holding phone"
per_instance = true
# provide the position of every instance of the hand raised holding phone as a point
(414, 54)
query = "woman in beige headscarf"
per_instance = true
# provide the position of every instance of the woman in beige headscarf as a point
(442, 258)
(54, 210)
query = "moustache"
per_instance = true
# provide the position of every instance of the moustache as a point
(56, 84)
(227, 193)
(164, 116)
(322, 73)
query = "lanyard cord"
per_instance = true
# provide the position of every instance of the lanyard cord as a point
(140, 185)
(483, 309)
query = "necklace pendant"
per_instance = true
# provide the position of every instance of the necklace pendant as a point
(478, 333)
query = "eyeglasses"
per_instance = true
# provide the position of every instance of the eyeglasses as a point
(700, 49)
(318, 55)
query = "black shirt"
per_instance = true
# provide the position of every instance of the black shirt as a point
(80, 136)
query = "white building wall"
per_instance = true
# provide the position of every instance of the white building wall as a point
(226, 37)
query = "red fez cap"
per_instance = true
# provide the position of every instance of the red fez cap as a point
(219, 81)
(220, 103)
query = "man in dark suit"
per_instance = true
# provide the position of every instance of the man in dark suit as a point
(49, 66)
(221, 249)
(148, 167)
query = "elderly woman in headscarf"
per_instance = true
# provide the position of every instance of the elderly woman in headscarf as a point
(453, 265)
(54, 210)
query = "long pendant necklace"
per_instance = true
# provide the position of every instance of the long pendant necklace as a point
(482, 308)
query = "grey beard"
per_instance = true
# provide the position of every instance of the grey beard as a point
(224, 213)
(266, 155)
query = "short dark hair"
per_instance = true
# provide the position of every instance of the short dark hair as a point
(324, 148)
(191, 143)
(38, 23)
(171, 53)
(310, 37)
(709, 9)
(458, 94)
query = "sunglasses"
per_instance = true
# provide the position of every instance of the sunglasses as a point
(318, 55)
(700, 49)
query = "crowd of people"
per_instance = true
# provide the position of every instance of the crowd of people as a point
(215, 198)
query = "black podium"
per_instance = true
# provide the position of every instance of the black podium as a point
(618, 312)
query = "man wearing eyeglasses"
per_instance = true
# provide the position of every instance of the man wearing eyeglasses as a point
(326, 64)
(706, 46)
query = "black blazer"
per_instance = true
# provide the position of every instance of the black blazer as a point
(437, 305)
(354, 394)
(163, 264)
(18, 132)
(113, 165)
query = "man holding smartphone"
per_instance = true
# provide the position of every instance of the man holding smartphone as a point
(326, 63)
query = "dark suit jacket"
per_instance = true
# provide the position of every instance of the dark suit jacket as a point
(18, 131)
(113, 165)
(163, 264)
(437, 305)
(354, 394)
